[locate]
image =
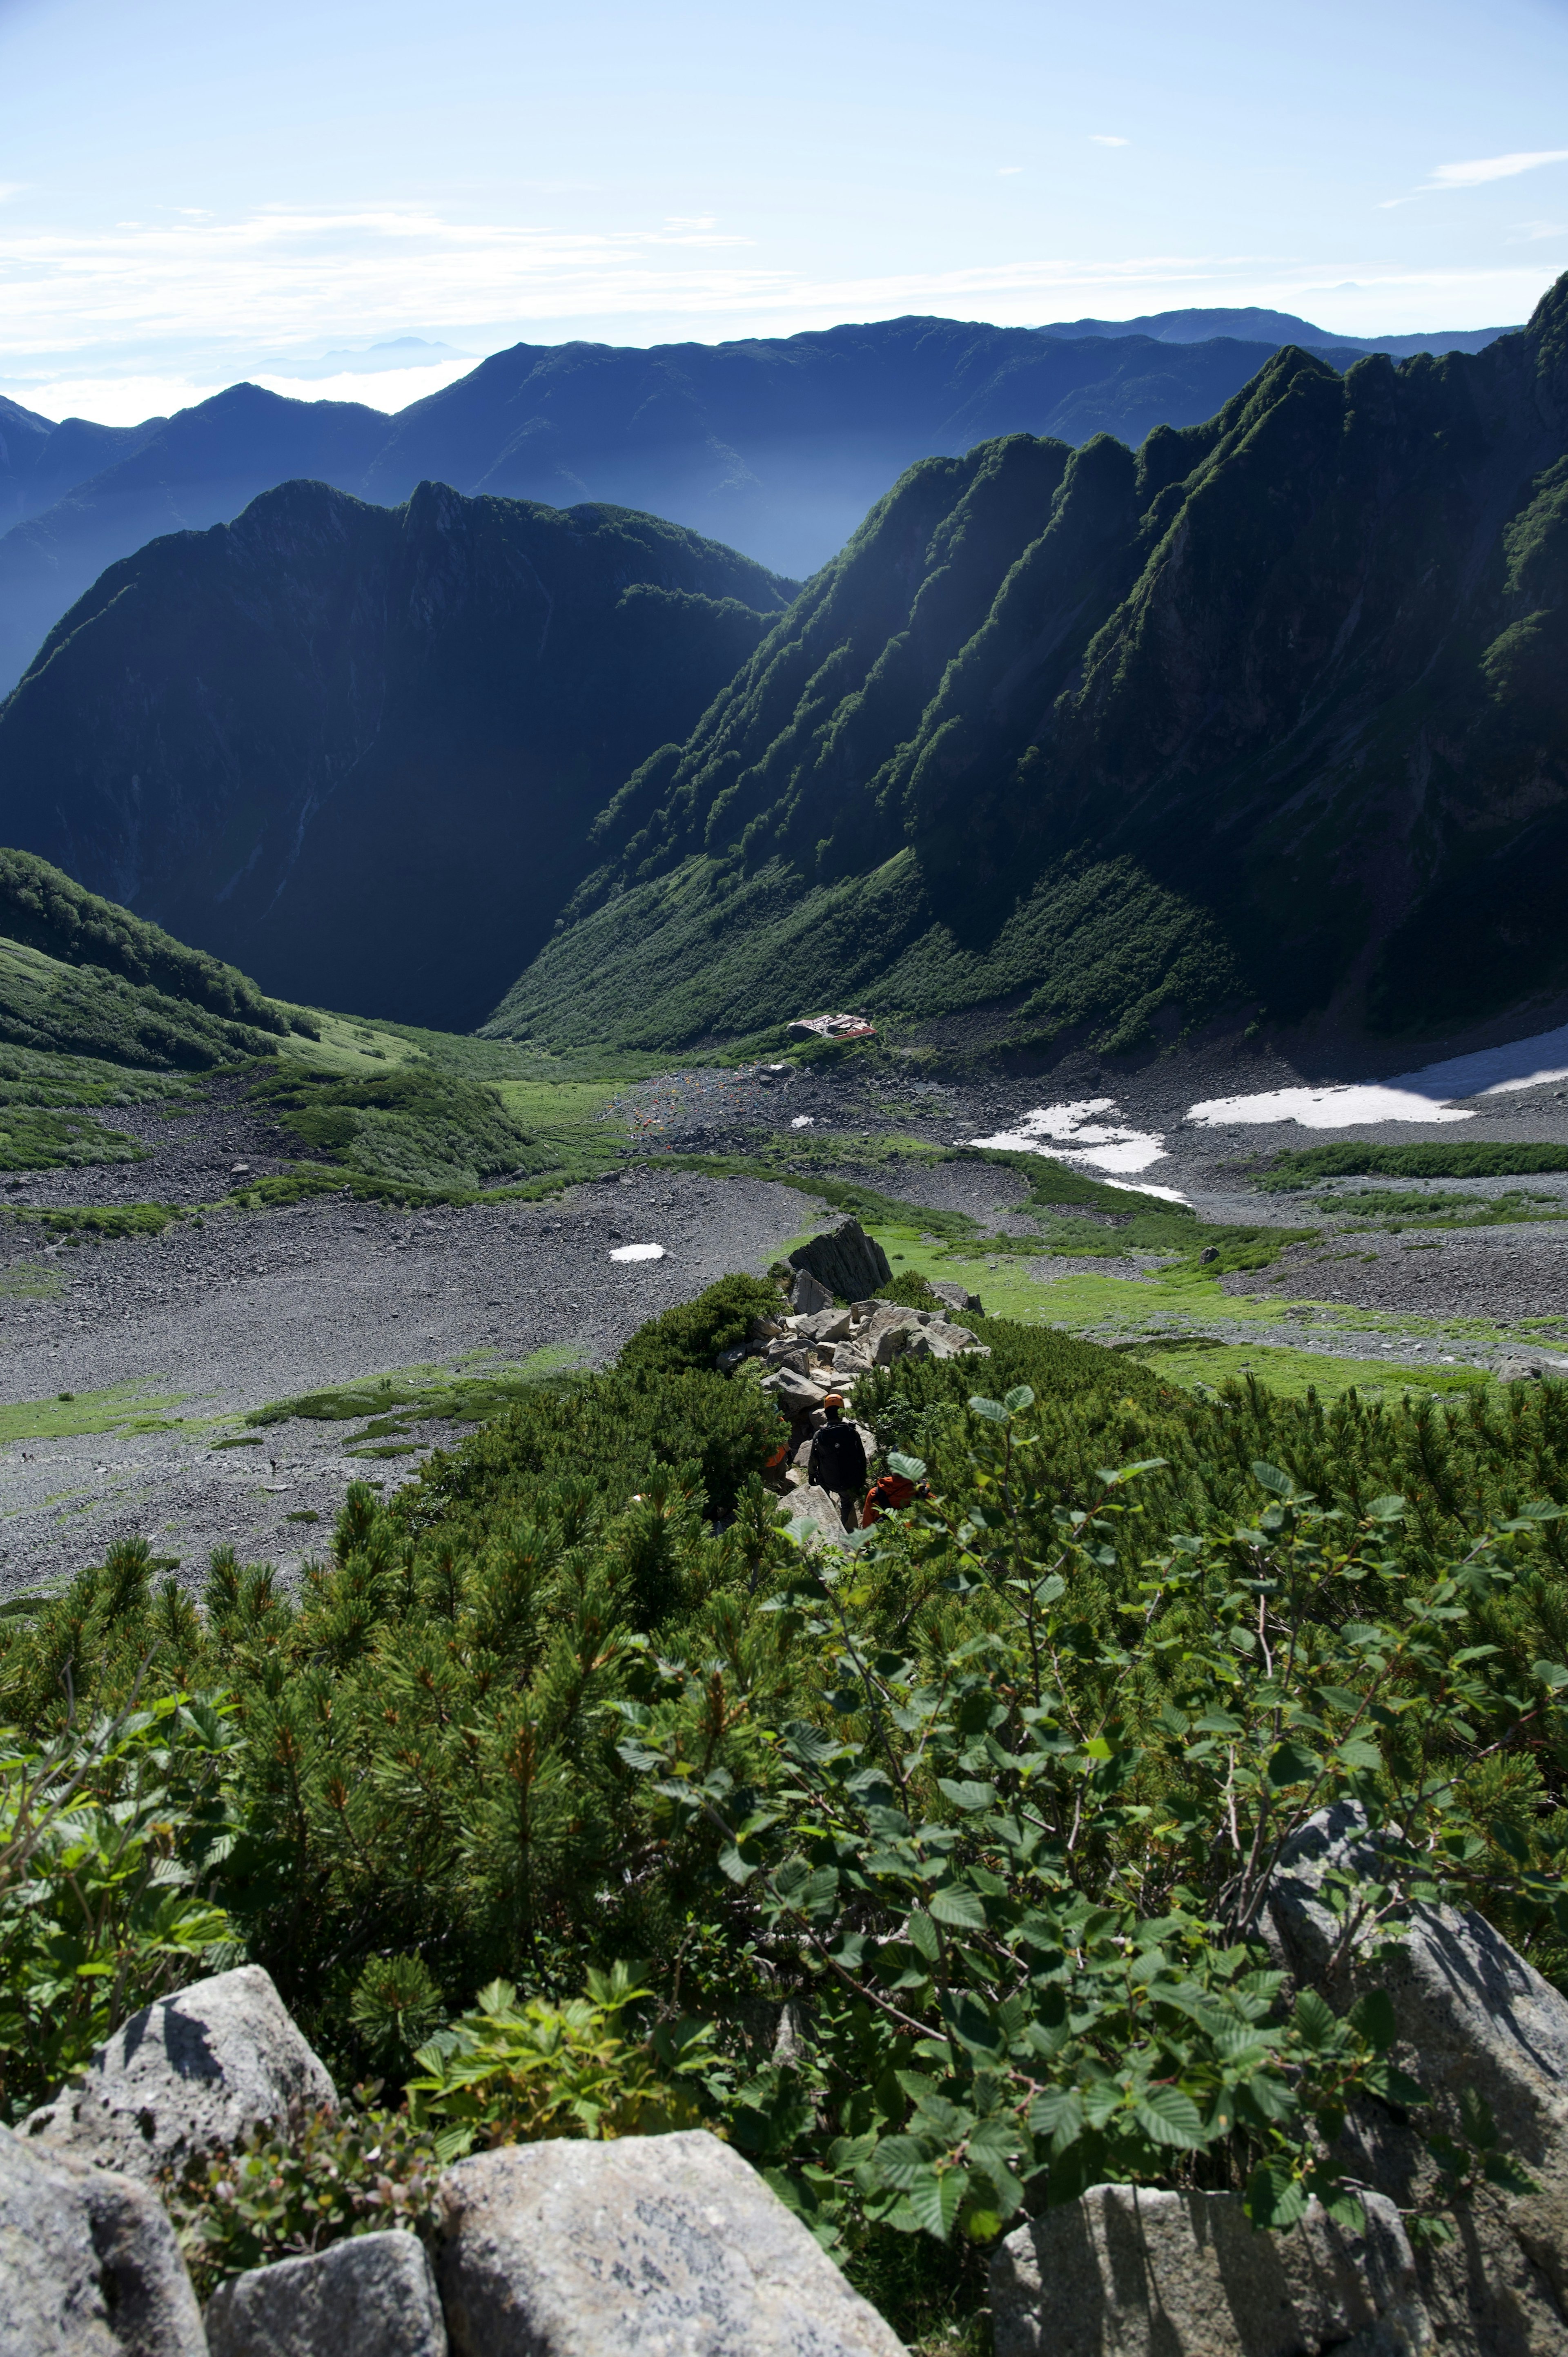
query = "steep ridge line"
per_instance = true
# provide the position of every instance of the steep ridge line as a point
(1263, 719)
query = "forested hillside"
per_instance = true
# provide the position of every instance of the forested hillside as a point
(356, 749)
(1270, 714)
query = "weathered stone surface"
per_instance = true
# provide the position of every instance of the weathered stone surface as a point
(1471, 2013)
(919, 1333)
(89, 2263)
(1128, 2273)
(845, 1260)
(373, 2297)
(956, 1296)
(649, 2246)
(825, 1326)
(193, 2071)
(813, 1515)
(796, 1394)
(808, 1294)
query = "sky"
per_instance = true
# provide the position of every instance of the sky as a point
(191, 195)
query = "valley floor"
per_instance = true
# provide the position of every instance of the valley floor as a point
(126, 1366)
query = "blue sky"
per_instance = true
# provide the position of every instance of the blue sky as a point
(193, 194)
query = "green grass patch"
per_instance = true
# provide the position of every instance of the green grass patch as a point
(1307, 1165)
(107, 1221)
(432, 1392)
(121, 1407)
(1197, 1361)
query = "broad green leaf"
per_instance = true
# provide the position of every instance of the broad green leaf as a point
(1270, 1477)
(954, 1903)
(1292, 1763)
(1167, 2116)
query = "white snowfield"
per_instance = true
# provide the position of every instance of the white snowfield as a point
(638, 1252)
(1414, 1096)
(1075, 1132)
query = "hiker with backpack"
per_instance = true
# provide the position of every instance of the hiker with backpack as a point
(837, 1461)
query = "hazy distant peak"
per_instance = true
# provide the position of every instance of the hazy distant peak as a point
(1252, 325)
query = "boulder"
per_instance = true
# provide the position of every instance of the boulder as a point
(193, 2071)
(808, 1294)
(796, 1394)
(1183, 2275)
(813, 1517)
(956, 1296)
(648, 2247)
(1470, 2014)
(373, 2296)
(845, 1260)
(824, 1326)
(89, 2263)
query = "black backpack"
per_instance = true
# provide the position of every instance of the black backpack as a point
(838, 1458)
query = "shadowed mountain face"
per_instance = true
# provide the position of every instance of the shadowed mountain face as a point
(776, 445)
(1274, 711)
(361, 747)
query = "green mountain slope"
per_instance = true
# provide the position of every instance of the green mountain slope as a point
(82, 977)
(358, 749)
(1274, 711)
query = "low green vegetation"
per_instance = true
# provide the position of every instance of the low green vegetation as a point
(566, 1771)
(133, 1406)
(83, 977)
(1308, 1166)
(426, 1394)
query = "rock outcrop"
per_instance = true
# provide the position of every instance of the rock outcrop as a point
(1471, 2015)
(845, 1260)
(643, 2247)
(1183, 2275)
(89, 2263)
(191, 2071)
(373, 2297)
(812, 1517)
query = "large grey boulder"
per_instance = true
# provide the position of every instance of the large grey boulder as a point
(1125, 2272)
(89, 2263)
(649, 2246)
(808, 1294)
(371, 2296)
(813, 1518)
(1470, 2014)
(191, 2071)
(957, 1297)
(845, 1260)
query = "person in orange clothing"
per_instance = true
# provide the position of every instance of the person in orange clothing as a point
(887, 1494)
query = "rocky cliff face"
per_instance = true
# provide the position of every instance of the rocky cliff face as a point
(360, 746)
(1275, 710)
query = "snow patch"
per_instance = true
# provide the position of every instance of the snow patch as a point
(1076, 1137)
(1424, 1096)
(638, 1252)
(1338, 1106)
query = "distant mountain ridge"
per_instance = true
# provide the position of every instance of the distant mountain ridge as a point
(361, 747)
(1272, 718)
(1255, 325)
(775, 446)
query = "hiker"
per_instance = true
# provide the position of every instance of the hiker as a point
(886, 1495)
(837, 1461)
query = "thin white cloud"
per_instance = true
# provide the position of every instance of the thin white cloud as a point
(1107, 139)
(1495, 168)
(182, 306)
(1006, 171)
(1478, 172)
